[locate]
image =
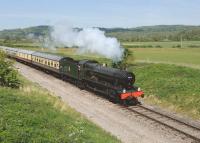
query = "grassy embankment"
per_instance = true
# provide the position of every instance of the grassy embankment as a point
(32, 114)
(170, 86)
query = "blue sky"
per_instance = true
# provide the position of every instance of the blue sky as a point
(103, 13)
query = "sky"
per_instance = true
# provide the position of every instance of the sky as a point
(98, 13)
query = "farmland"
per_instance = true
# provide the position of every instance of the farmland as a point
(167, 44)
(189, 57)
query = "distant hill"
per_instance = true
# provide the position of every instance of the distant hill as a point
(144, 33)
(23, 33)
(156, 33)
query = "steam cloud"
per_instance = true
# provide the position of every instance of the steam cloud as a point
(88, 40)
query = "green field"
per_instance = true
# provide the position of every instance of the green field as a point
(166, 52)
(32, 114)
(186, 57)
(168, 44)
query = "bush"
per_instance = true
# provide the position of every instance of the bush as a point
(8, 76)
(123, 64)
(177, 46)
(194, 46)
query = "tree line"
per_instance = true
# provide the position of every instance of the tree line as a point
(138, 34)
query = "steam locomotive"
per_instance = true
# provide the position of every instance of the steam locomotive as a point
(115, 84)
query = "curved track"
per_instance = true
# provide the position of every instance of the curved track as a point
(177, 125)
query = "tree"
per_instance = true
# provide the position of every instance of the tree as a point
(7, 39)
(123, 64)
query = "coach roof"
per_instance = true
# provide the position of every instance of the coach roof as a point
(25, 51)
(48, 56)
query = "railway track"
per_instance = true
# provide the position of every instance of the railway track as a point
(177, 125)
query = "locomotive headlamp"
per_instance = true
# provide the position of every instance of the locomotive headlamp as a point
(124, 90)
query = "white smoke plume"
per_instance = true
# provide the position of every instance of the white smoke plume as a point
(88, 40)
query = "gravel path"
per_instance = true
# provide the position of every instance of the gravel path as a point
(127, 127)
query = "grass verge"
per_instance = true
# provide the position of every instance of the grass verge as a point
(32, 114)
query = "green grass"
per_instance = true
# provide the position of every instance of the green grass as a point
(186, 56)
(32, 114)
(170, 86)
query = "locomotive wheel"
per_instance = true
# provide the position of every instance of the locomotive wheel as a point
(135, 101)
(81, 85)
(117, 99)
(125, 102)
(114, 100)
